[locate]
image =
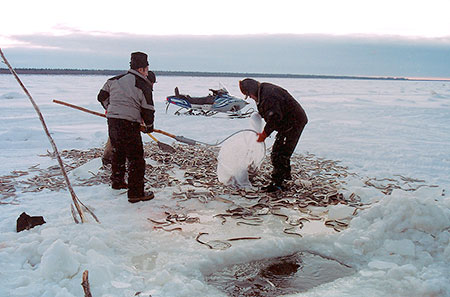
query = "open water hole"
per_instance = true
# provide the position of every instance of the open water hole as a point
(278, 276)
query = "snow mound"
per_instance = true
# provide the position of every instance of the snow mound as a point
(59, 262)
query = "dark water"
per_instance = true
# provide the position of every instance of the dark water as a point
(278, 276)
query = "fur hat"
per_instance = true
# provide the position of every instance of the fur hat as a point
(138, 60)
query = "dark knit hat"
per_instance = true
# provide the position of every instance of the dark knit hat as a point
(249, 87)
(138, 60)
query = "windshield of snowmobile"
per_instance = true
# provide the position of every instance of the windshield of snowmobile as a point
(222, 87)
(219, 91)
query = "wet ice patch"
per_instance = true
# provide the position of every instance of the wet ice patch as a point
(278, 276)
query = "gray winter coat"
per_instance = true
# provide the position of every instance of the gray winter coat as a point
(128, 96)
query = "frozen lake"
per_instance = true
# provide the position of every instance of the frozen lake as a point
(378, 129)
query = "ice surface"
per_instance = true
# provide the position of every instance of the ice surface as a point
(399, 245)
(340, 211)
(59, 262)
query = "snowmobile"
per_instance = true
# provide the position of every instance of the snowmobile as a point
(217, 101)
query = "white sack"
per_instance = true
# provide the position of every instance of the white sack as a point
(237, 155)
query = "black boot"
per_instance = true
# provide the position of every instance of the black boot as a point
(119, 185)
(144, 197)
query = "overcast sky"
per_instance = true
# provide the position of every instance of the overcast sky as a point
(348, 37)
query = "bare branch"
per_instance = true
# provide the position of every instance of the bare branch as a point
(75, 199)
(85, 284)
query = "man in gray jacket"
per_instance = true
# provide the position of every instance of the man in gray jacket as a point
(128, 101)
(107, 153)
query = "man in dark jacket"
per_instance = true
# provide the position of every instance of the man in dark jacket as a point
(128, 101)
(282, 113)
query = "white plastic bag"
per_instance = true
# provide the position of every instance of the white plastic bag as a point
(239, 154)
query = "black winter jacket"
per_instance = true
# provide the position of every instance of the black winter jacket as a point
(279, 109)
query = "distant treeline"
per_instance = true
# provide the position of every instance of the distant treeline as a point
(186, 73)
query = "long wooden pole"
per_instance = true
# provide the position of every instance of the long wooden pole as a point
(163, 146)
(75, 199)
(178, 138)
(80, 108)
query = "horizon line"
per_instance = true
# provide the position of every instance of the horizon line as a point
(77, 71)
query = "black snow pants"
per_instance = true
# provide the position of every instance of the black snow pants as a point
(126, 142)
(282, 150)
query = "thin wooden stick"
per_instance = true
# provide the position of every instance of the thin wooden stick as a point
(85, 284)
(163, 146)
(80, 108)
(75, 199)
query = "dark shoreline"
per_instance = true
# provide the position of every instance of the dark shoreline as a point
(207, 74)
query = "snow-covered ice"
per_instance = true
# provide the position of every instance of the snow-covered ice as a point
(399, 246)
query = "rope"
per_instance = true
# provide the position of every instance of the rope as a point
(237, 132)
(220, 142)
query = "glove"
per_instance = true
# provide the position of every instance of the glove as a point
(261, 136)
(146, 129)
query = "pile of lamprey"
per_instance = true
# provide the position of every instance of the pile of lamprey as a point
(316, 182)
